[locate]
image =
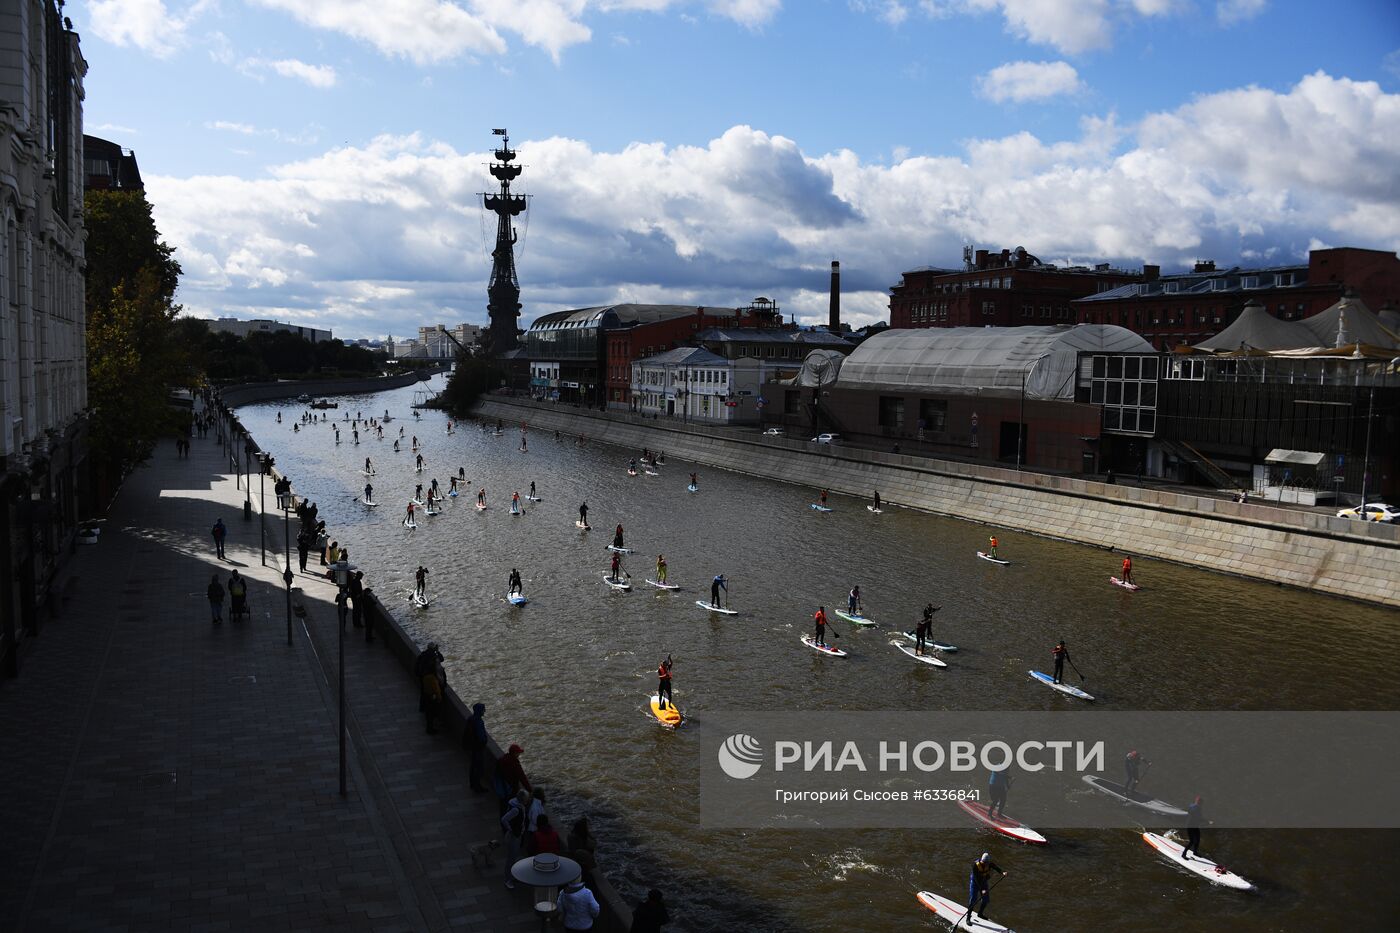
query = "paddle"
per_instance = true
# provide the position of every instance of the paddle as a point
(969, 906)
(1076, 669)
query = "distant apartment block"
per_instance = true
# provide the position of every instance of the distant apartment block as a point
(230, 325)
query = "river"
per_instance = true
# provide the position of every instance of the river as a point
(568, 675)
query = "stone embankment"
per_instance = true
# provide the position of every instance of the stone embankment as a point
(265, 391)
(1309, 550)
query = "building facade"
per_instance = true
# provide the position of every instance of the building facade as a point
(693, 384)
(43, 355)
(1007, 289)
(444, 343)
(107, 165)
(241, 328)
(634, 340)
(1171, 311)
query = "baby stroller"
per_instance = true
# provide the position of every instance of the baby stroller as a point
(238, 601)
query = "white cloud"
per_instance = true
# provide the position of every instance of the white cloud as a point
(382, 237)
(892, 12)
(144, 24)
(306, 137)
(247, 129)
(112, 128)
(1229, 12)
(1021, 81)
(750, 13)
(318, 76)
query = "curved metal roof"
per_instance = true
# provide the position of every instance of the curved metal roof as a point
(983, 360)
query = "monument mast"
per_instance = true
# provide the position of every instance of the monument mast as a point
(503, 291)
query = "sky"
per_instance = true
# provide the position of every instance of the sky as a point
(321, 161)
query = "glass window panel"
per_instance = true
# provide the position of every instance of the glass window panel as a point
(1130, 367)
(1147, 421)
(1115, 367)
(1110, 418)
(1114, 395)
(1149, 367)
(1096, 392)
(1148, 396)
(1100, 367)
(1129, 420)
(1130, 393)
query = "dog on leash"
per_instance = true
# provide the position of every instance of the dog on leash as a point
(482, 853)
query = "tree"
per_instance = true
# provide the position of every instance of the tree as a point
(134, 354)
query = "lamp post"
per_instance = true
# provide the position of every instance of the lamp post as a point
(262, 505)
(546, 874)
(287, 574)
(342, 570)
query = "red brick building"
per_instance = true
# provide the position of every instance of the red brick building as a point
(1005, 289)
(654, 330)
(1176, 310)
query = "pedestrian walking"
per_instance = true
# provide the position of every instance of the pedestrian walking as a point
(342, 610)
(219, 532)
(369, 617)
(216, 599)
(303, 548)
(357, 595)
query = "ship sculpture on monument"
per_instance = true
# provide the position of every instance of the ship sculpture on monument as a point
(503, 291)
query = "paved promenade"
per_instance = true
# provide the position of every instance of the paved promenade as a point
(161, 772)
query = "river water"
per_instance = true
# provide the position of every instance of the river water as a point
(567, 676)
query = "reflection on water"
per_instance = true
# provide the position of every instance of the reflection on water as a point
(568, 675)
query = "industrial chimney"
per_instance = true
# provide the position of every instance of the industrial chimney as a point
(835, 323)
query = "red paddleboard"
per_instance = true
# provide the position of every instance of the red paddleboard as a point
(1001, 823)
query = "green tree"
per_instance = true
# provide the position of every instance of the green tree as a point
(134, 351)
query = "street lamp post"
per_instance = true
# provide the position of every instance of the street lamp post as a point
(342, 570)
(262, 505)
(287, 574)
(546, 873)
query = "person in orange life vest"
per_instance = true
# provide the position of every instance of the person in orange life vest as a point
(1061, 654)
(515, 502)
(993, 551)
(819, 617)
(1127, 570)
(823, 497)
(663, 687)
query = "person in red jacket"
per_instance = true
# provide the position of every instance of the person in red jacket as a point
(544, 838)
(663, 688)
(510, 773)
(819, 617)
(1127, 570)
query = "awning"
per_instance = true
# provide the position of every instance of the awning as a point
(1297, 457)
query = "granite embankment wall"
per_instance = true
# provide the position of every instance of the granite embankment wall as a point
(616, 916)
(263, 391)
(1310, 550)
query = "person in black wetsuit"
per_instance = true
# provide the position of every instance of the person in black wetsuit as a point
(924, 629)
(583, 514)
(1194, 818)
(978, 886)
(516, 586)
(1061, 654)
(717, 584)
(1132, 769)
(617, 537)
(663, 688)
(997, 786)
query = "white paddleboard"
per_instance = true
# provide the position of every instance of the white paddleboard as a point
(692, 488)
(369, 503)
(631, 472)
(420, 601)
(620, 550)
(1062, 687)
(1196, 864)
(914, 637)
(368, 473)
(811, 642)
(453, 493)
(871, 508)
(1001, 822)
(481, 507)
(582, 525)
(652, 473)
(926, 658)
(663, 586)
(515, 511)
(986, 556)
(704, 605)
(821, 508)
(417, 501)
(410, 525)
(1104, 786)
(616, 584)
(516, 599)
(855, 618)
(952, 912)
(1127, 586)
(533, 499)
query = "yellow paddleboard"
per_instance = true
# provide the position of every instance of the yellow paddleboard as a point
(670, 716)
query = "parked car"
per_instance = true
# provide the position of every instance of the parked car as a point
(1373, 512)
(773, 432)
(827, 439)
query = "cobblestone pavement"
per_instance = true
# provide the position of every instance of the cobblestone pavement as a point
(163, 772)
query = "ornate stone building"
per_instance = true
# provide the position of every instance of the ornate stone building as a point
(43, 357)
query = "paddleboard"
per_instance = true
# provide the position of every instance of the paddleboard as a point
(913, 653)
(620, 550)
(410, 525)
(369, 503)
(692, 488)
(516, 599)
(1127, 586)
(871, 508)
(533, 499)
(368, 473)
(810, 642)
(1160, 807)
(631, 472)
(651, 473)
(1062, 687)
(704, 605)
(582, 525)
(855, 619)
(1196, 864)
(821, 508)
(417, 501)
(420, 601)
(994, 560)
(914, 637)
(670, 717)
(453, 494)
(514, 510)
(663, 586)
(481, 507)
(952, 912)
(1001, 822)
(616, 584)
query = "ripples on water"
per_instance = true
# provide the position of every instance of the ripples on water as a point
(568, 675)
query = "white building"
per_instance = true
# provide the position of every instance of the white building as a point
(241, 328)
(43, 323)
(693, 384)
(441, 346)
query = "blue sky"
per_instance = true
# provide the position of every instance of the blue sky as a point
(317, 160)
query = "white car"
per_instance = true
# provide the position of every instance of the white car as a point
(827, 439)
(773, 432)
(1373, 512)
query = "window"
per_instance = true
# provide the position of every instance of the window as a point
(891, 411)
(933, 414)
